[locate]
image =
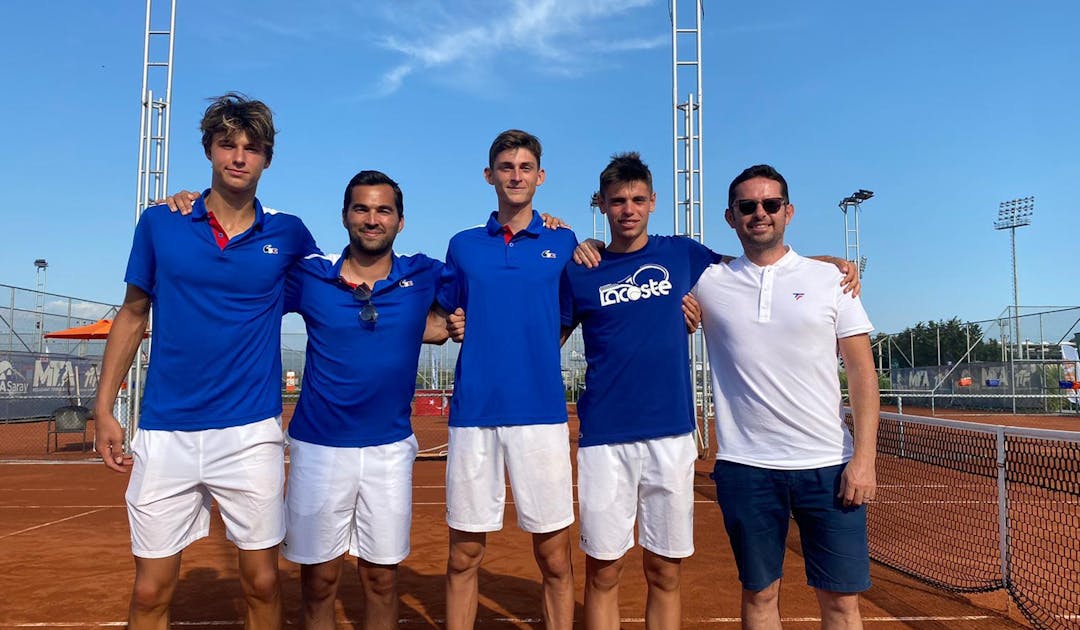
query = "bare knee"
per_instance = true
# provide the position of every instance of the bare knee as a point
(259, 574)
(835, 604)
(768, 597)
(552, 553)
(319, 582)
(262, 585)
(379, 580)
(149, 595)
(662, 573)
(155, 583)
(603, 575)
(466, 553)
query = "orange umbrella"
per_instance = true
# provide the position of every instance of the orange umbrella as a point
(97, 330)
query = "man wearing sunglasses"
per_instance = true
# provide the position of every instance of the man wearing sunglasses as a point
(351, 444)
(774, 321)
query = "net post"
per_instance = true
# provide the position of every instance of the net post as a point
(1003, 509)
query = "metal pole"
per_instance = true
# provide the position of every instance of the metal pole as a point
(1003, 509)
(1016, 294)
(675, 112)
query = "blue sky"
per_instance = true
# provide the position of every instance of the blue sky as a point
(943, 109)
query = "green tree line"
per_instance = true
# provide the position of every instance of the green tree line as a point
(952, 337)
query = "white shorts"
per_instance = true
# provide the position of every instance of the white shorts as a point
(651, 481)
(349, 499)
(178, 474)
(537, 457)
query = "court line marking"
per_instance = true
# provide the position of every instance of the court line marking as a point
(30, 529)
(513, 620)
(59, 507)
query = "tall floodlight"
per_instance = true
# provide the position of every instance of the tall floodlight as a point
(850, 206)
(153, 171)
(42, 267)
(688, 172)
(1011, 215)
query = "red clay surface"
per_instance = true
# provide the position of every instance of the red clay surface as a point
(67, 562)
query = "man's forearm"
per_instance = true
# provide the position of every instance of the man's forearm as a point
(124, 340)
(435, 331)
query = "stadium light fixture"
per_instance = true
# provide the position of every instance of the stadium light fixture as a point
(852, 248)
(1011, 215)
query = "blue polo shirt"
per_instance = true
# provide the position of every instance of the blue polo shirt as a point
(508, 371)
(359, 377)
(637, 383)
(216, 352)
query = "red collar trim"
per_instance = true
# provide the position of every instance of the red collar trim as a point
(220, 237)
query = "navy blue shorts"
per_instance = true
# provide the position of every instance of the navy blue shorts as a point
(757, 504)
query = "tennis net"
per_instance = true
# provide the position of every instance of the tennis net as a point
(971, 507)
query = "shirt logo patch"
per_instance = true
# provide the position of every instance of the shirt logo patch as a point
(547, 253)
(648, 281)
(269, 249)
(798, 296)
(405, 283)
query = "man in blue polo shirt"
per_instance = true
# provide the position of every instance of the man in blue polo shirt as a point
(210, 425)
(509, 407)
(351, 444)
(636, 449)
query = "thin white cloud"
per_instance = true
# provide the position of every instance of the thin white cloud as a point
(570, 38)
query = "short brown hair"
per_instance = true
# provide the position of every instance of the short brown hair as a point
(514, 139)
(233, 113)
(625, 168)
(758, 170)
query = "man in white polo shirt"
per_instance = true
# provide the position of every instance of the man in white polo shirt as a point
(774, 321)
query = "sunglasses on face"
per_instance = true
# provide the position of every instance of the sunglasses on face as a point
(746, 207)
(368, 313)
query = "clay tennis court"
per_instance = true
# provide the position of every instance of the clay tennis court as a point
(67, 564)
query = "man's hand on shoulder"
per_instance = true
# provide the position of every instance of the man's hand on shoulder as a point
(587, 252)
(553, 222)
(181, 202)
(850, 282)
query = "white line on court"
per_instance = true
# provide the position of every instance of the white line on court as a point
(506, 620)
(59, 507)
(30, 529)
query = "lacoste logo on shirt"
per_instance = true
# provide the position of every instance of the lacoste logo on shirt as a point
(648, 281)
(269, 249)
(547, 253)
(405, 283)
(798, 296)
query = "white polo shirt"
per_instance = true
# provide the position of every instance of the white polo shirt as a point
(771, 334)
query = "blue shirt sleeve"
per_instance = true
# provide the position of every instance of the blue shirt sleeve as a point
(701, 258)
(566, 301)
(142, 263)
(294, 284)
(306, 242)
(449, 292)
